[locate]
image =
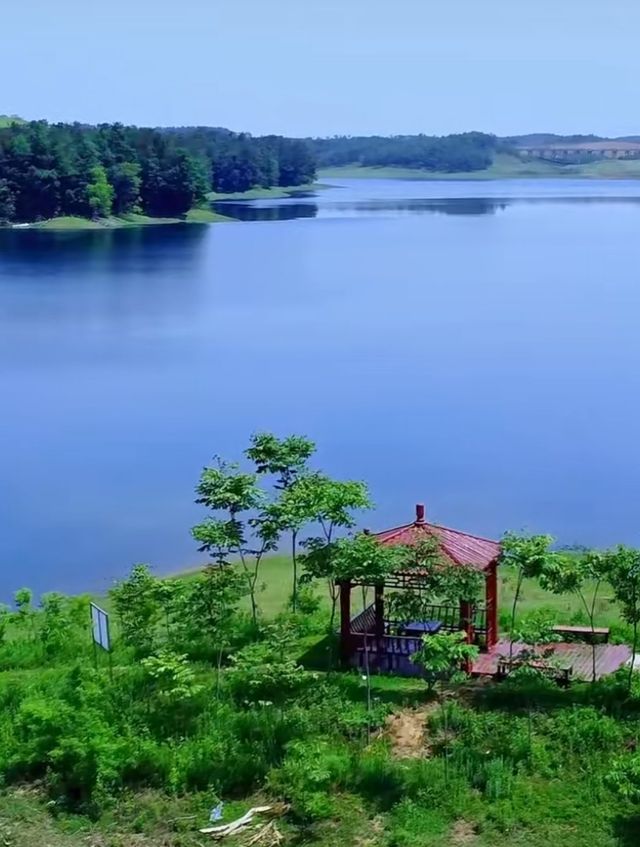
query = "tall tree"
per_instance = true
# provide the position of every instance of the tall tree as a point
(100, 193)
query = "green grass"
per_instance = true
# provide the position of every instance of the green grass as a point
(275, 581)
(504, 166)
(274, 193)
(70, 223)
(205, 216)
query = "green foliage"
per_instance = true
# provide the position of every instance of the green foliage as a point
(99, 193)
(469, 151)
(286, 458)
(265, 672)
(443, 655)
(75, 170)
(136, 603)
(310, 774)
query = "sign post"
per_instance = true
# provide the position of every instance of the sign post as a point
(100, 634)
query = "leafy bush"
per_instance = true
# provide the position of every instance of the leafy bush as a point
(310, 773)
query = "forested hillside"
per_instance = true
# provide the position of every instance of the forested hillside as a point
(469, 151)
(70, 169)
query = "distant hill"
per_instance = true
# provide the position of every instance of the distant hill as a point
(8, 120)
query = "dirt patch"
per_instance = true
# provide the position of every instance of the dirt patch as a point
(406, 730)
(463, 833)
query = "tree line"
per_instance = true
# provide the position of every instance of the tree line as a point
(468, 151)
(47, 170)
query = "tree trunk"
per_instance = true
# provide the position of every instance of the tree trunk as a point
(367, 672)
(635, 647)
(294, 559)
(516, 597)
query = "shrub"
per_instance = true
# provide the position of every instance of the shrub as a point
(311, 771)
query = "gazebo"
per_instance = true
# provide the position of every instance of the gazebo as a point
(389, 644)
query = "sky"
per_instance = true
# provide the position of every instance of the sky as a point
(326, 67)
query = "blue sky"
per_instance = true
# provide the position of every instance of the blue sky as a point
(324, 67)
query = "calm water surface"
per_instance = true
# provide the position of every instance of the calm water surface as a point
(472, 345)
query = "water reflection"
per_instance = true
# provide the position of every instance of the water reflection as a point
(321, 205)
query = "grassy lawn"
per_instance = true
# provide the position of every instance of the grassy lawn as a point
(275, 582)
(504, 166)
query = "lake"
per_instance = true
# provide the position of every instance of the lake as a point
(471, 345)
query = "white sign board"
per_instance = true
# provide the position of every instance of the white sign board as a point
(100, 627)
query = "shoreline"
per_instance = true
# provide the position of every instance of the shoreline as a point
(504, 167)
(276, 192)
(66, 223)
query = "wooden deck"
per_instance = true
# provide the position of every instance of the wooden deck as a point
(609, 657)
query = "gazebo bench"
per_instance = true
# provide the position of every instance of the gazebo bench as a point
(584, 633)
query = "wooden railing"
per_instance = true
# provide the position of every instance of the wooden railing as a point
(448, 616)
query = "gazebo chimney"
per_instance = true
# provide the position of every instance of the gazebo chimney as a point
(419, 512)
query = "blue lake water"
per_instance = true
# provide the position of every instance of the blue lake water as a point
(471, 345)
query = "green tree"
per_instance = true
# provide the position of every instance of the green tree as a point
(100, 193)
(230, 494)
(136, 603)
(529, 555)
(287, 459)
(362, 560)
(623, 572)
(206, 610)
(583, 576)
(126, 181)
(7, 202)
(335, 502)
(444, 657)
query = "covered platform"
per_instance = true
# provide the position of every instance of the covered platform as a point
(390, 643)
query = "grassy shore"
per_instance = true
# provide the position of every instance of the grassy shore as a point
(71, 223)
(275, 193)
(504, 166)
(276, 577)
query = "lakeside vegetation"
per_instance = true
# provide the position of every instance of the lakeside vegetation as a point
(222, 692)
(273, 193)
(132, 219)
(503, 166)
(111, 172)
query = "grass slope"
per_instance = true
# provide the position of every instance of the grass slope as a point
(504, 166)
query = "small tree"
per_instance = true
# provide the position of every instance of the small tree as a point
(440, 579)
(287, 459)
(100, 193)
(206, 608)
(135, 600)
(224, 489)
(334, 504)
(364, 560)
(580, 575)
(266, 673)
(443, 658)
(529, 555)
(623, 571)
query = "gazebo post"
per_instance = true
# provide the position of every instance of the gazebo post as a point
(379, 611)
(466, 619)
(345, 621)
(491, 603)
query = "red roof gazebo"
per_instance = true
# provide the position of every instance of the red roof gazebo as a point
(391, 644)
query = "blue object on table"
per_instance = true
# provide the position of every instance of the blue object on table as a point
(422, 627)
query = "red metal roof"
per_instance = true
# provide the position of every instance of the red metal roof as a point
(461, 548)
